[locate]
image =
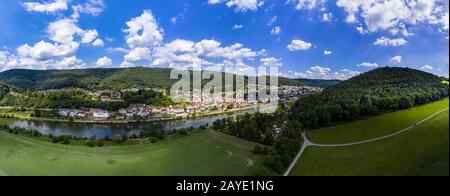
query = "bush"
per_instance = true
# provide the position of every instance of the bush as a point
(66, 141)
(100, 143)
(90, 143)
(258, 149)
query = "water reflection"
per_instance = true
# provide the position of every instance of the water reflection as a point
(110, 130)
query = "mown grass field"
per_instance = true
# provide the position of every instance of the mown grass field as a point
(375, 126)
(203, 153)
(422, 150)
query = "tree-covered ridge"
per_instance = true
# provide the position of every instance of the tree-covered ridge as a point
(319, 83)
(118, 79)
(380, 90)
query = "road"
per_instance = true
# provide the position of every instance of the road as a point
(308, 143)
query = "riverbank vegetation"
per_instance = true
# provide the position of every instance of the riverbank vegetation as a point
(154, 135)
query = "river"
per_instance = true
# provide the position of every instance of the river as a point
(101, 131)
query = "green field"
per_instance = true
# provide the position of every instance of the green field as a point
(422, 150)
(375, 126)
(202, 153)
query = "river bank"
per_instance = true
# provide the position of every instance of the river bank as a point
(24, 116)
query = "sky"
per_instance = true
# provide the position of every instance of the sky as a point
(320, 39)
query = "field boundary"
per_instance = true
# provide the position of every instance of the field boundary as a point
(307, 143)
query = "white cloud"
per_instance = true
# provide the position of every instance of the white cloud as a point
(240, 5)
(89, 36)
(396, 59)
(276, 30)
(368, 65)
(319, 72)
(91, 7)
(63, 31)
(98, 43)
(327, 52)
(361, 30)
(138, 55)
(327, 17)
(384, 41)
(104, 62)
(297, 45)
(143, 31)
(271, 62)
(237, 26)
(395, 15)
(305, 4)
(427, 67)
(49, 7)
(70, 63)
(118, 49)
(44, 50)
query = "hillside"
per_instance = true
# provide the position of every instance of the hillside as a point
(96, 78)
(4, 90)
(371, 93)
(318, 82)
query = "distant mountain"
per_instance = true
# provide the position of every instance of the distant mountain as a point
(371, 93)
(97, 78)
(318, 82)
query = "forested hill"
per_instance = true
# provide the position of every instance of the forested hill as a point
(96, 78)
(318, 82)
(380, 90)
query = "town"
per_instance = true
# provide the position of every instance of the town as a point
(142, 112)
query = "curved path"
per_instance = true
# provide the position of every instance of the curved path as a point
(307, 143)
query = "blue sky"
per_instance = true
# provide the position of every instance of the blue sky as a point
(304, 38)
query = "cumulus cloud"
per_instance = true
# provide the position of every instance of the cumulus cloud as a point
(396, 59)
(186, 54)
(327, 52)
(91, 7)
(143, 31)
(98, 43)
(240, 5)
(70, 63)
(297, 45)
(395, 15)
(319, 72)
(49, 7)
(427, 67)
(89, 36)
(384, 41)
(44, 50)
(271, 62)
(104, 62)
(368, 65)
(138, 55)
